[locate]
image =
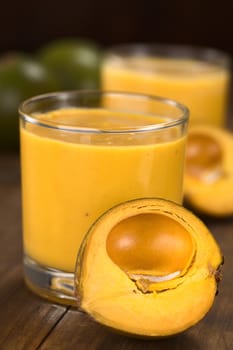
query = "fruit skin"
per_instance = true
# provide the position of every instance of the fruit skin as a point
(212, 198)
(75, 62)
(21, 77)
(106, 294)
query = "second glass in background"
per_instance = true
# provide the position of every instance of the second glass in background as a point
(197, 77)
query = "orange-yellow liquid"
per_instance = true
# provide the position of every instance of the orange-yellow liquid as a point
(201, 86)
(69, 180)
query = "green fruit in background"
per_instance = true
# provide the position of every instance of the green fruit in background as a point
(61, 65)
(76, 63)
(21, 77)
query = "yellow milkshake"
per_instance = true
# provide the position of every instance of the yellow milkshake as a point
(68, 185)
(201, 85)
(78, 162)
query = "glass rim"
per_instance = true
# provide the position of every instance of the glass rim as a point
(65, 95)
(202, 53)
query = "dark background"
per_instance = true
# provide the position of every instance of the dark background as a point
(28, 24)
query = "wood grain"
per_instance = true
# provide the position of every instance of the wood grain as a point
(29, 323)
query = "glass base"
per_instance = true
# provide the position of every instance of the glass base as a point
(52, 284)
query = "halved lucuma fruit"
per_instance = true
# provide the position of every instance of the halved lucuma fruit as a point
(149, 268)
(208, 180)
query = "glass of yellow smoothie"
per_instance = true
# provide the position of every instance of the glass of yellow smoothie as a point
(197, 77)
(83, 152)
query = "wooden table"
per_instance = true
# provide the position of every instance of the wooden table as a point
(28, 322)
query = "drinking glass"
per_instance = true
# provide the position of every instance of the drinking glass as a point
(197, 77)
(83, 152)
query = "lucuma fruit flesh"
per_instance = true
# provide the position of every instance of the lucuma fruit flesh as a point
(148, 268)
(208, 180)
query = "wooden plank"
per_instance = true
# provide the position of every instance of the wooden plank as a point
(25, 320)
(77, 331)
(30, 323)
